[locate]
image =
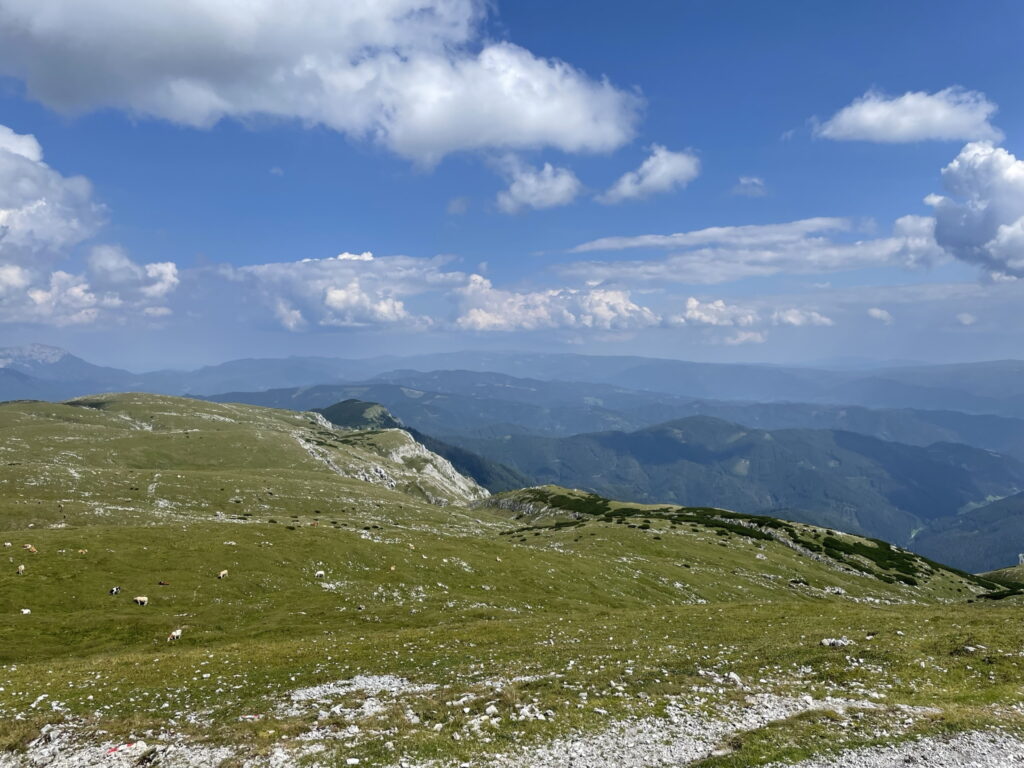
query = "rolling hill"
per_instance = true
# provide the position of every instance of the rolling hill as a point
(447, 625)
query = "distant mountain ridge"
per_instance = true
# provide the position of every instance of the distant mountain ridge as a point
(995, 387)
(470, 404)
(839, 479)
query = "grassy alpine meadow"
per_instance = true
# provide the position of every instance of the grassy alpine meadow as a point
(377, 606)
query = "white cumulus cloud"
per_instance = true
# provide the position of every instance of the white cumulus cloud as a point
(486, 308)
(24, 145)
(418, 76)
(715, 312)
(950, 114)
(43, 216)
(546, 187)
(353, 290)
(982, 219)
(663, 171)
(42, 213)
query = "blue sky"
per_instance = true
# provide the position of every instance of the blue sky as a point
(180, 181)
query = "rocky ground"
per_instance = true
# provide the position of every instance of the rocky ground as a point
(682, 738)
(990, 749)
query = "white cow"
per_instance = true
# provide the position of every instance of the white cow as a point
(21, 570)
(223, 574)
(26, 611)
(319, 575)
(140, 600)
(175, 635)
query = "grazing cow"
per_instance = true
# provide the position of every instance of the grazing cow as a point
(7, 543)
(175, 635)
(319, 575)
(223, 574)
(115, 590)
(25, 611)
(140, 600)
(21, 570)
(31, 550)
(83, 551)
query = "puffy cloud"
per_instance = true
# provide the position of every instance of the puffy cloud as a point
(531, 188)
(67, 300)
(352, 305)
(750, 186)
(112, 286)
(663, 171)
(164, 277)
(878, 313)
(289, 316)
(715, 313)
(950, 114)
(982, 221)
(966, 319)
(42, 213)
(110, 267)
(416, 75)
(351, 289)
(13, 279)
(799, 317)
(486, 308)
(733, 253)
(24, 145)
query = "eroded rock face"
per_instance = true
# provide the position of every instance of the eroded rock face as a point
(437, 470)
(392, 458)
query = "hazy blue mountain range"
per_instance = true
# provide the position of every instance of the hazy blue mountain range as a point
(840, 479)
(990, 387)
(463, 403)
(992, 535)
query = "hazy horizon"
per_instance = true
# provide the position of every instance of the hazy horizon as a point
(851, 363)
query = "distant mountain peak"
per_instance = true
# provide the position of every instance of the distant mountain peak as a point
(359, 414)
(32, 354)
(39, 354)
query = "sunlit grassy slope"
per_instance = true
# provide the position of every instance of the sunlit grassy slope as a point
(531, 597)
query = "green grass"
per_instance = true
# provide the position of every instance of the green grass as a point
(494, 603)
